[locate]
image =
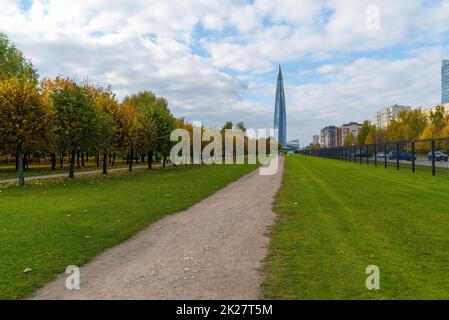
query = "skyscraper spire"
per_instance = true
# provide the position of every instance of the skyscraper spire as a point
(280, 73)
(280, 117)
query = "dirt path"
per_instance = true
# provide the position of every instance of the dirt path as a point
(213, 250)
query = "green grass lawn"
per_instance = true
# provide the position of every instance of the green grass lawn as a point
(337, 218)
(47, 228)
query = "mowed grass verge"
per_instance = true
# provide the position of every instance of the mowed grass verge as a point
(47, 228)
(337, 218)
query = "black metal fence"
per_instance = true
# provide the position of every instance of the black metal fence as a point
(429, 155)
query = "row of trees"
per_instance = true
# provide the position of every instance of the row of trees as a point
(407, 126)
(61, 116)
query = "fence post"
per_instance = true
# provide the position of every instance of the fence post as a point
(375, 155)
(397, 156)
(385, 156)
(367, 155)
(433, 158)
(361, 158)
(413, 157)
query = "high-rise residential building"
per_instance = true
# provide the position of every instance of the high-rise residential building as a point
(340, 136)
(351, 127)
(386, 115)
(329, 137)
(445, 82)
(280, 117)
(316, 140)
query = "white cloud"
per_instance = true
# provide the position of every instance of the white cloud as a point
(183, 49)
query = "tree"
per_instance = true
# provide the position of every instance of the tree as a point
(107, 113)
(164, 123)
(157, 120)
(14, 64)
(241, 126)
(128, 129)
(76, 120)
(349, 140)
(48, 87)
(408, 125)
(366, 128)
(25, 120)
(228, 125)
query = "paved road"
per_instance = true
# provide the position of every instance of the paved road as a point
(418, 162)
(213, 250)
(63, 175)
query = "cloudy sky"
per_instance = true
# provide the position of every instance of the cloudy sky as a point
(217, 60)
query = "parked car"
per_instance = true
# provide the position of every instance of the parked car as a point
(381, 154)
(393, 155)
(439, 156)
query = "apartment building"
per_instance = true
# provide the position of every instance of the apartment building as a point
(329, 137)
(386, 115)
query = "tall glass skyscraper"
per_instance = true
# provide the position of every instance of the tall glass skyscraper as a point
(280, 116)
(445, 82)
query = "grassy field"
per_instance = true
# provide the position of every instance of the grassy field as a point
(337, 218)
(47, 228)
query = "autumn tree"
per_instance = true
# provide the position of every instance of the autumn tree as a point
(128, 127)
(364, 131)
(25, 120)
(14, 64)
(107, 112)
(76, 120)
(156, 121)
(349, 139)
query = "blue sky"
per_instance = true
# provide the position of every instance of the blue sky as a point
(217, 60)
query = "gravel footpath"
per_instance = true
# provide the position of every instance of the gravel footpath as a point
(213, 250)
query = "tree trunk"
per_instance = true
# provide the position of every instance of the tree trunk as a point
(150, 160)
(72, 165)
(53, 161)
(25, 162)
(78, 159)
(131, 154)
(20, 166)
(142, 157)
(61, 160)
(82, 159)
(113, 159)
(105, 162)
(164, 161)
(98, 160)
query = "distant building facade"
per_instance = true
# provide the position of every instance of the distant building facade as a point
(329, 137)
(445, 82)
(388, 114)
(340, 136)
(316, 140)
(351, 127)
